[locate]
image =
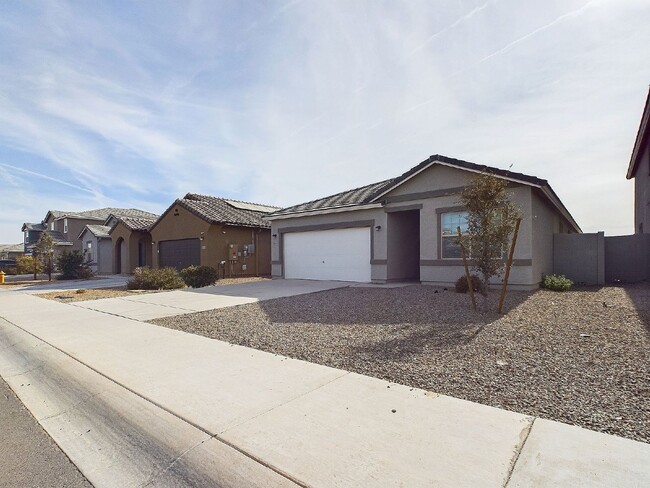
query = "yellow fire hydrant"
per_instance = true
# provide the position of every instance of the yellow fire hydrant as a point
(2, 277)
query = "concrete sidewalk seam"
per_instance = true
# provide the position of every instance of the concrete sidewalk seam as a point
(187, 421)
(345, 373)
(518, 453)
(162, 471)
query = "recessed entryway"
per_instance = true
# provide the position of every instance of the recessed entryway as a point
(403, 235)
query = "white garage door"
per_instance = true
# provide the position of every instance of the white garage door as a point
(340, 254)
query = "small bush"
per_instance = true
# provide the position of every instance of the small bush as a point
(72, 266)
(199, 276)
(25, 265)
(155, 279)
(80, 291)
(556, 283)
(461, 284)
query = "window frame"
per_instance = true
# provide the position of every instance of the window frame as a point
(65, 226)
(453, 235)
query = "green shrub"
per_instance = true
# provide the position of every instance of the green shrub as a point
(73, 266)
(25, 265)
(155, 279)
(461, 284)
(199, 276)
(556, 282)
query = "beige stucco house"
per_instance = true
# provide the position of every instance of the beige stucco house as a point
(639, 169)
(207, 230)
(130, 241)
(404, 228)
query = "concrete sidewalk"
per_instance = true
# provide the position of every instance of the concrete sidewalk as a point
(191, 411)
(166, 304)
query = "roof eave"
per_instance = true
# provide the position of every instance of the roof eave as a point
(555, 200)
(640, 139)
(327, 210)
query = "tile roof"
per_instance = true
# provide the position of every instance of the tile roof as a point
(101, 231)
(372, 193)
(137, 224)
(459, 163)
(12, 247)
(32, 226)
(102, 213)
(357, 196)
(219, 211)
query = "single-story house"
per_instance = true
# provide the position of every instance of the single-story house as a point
(405, 228)
(213, 231)
(130, 240)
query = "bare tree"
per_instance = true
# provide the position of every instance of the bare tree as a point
(491, 219)
(44, 249)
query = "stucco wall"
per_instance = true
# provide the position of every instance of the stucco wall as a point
(101, 253)
(627, 258)
(580, 257)
(642, 193)
(545, 223)
(104, 256)
(180, 223)
(429, 193)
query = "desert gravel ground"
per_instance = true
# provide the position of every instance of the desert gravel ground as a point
(580, 357)
(92, 294)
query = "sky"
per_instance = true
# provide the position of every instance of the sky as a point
(134, 104)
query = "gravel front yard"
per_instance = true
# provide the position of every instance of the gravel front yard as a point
(581, 357)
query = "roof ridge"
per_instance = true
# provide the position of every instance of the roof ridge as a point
(227, 199)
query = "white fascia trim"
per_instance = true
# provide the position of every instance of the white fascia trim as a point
(404, 181)
(515, 180)
(330, 210)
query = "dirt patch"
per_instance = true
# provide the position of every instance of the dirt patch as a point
(236, 281)
(581, 357)
(91, 294)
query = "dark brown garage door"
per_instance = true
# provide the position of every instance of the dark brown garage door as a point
(179, 254)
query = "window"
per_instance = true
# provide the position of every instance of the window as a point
(52, 226)
(450, 249)
(65, 226)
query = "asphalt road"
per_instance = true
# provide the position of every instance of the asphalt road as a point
(28, 456)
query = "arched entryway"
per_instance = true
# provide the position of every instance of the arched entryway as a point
(119, 256)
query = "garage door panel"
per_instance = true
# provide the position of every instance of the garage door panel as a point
(180, 253)
(337, 254)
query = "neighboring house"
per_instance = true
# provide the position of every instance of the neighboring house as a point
(405, 228)
(206, 230)
(98, 250)
(639, 169)
(32, 233)
(130, 242)
(11, 251)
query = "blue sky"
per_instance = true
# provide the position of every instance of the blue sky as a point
(133, 104)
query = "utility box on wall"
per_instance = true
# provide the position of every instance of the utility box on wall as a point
(233, 252)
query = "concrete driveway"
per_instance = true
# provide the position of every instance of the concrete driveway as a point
(168, 303)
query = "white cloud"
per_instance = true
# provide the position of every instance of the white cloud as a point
(287, 102)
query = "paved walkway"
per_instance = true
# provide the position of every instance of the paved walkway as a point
(166, 304)
(133, 404)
